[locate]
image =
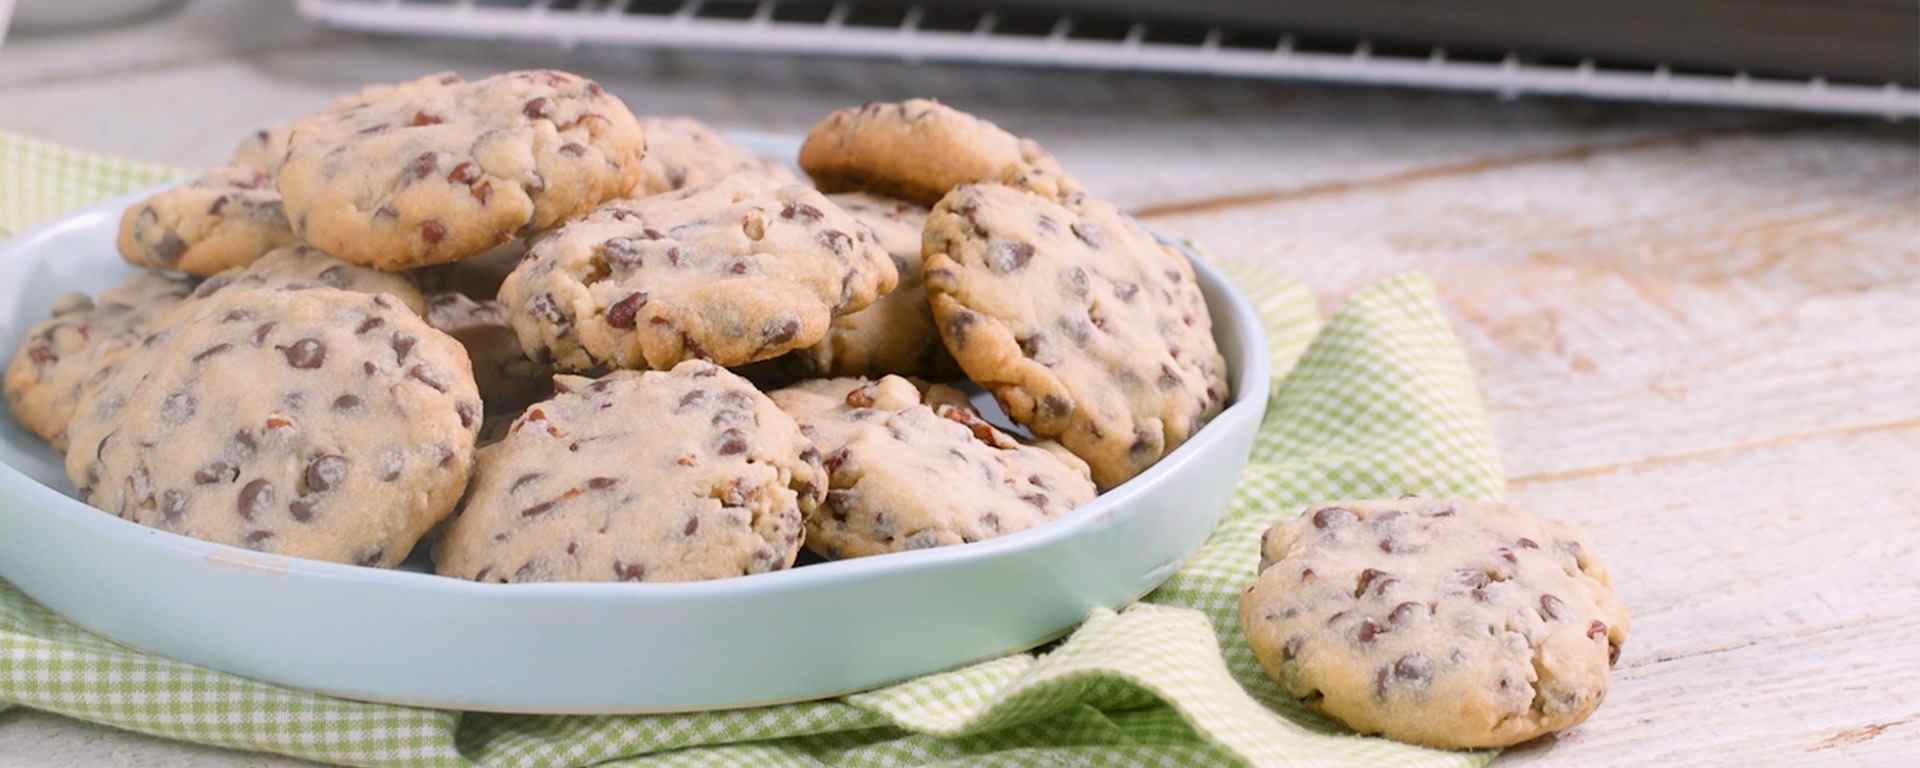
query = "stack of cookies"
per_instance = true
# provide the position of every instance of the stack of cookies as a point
(570, 344)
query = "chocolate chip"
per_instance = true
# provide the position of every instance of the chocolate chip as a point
(346, 403)
(179, 407)
(1088, 233)
(1367, 579)
(602, 483)
(1333, 517)
(621, 314)
(801, 212)
(308, 353)
(537, 509)
(422, 118)
(464, 173)
(1526, 543)
(693, 524)
(255, 537)
(1551, 608)
(423, 165)
(432, 231)
(1078, 284)
(168, 251)
(1008, 256)
(1367, 631)
(326, 472)
(427, 376)
(544, 307)
(731, 442)
(522, 480)
(781, 333)
(573, 149)
(255, 498)
(301, 510)
(402, 345)
(173, 504)
(536, 108)
(835, 240)
(1413, 670)
(466, 412)
(1406, 612)
(219, 204)
(217, 472)
(629, 572)
(260, 333)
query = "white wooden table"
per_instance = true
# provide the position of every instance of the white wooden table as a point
(1698, 332)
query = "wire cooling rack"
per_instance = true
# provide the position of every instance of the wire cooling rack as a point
(932, 32)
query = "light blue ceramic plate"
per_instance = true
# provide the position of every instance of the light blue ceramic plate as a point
(416, 638)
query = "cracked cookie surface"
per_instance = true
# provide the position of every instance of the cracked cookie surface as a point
(884, 449)
(1085, 328)
(315, 423)
(438, 169)
(1457, 624)
(680, 475)
(740, 270)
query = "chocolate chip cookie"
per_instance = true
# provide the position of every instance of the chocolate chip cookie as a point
(1086, 328)
(739, 270)
(508, 381)
(884, 450)
(683, 152)
(895, 334)
(300, 267)
(919, 149)
(82, 340)
(439, 169)
(226, 218)
(1457, 624)
(675, 475)
(316, 423)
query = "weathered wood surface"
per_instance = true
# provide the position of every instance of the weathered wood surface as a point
(1698, 332)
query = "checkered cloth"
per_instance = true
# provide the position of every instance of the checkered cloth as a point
(1377, 402)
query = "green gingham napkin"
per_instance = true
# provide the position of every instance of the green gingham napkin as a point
(1378, 402)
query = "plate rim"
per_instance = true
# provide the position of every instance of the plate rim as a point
(1254, 371)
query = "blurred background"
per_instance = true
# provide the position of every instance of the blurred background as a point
(1242, 84)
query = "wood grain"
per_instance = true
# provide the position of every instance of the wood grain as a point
(1698, 332)
(1706, 351)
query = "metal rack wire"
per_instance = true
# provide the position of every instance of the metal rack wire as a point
(926, 32)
